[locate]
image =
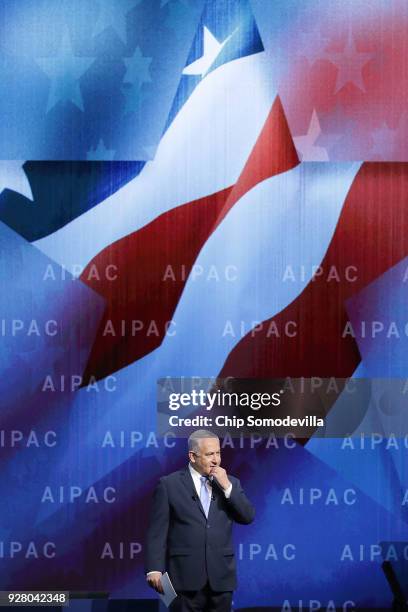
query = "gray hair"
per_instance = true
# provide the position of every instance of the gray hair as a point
(196, 436)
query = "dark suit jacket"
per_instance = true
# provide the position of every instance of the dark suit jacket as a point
(183, 542)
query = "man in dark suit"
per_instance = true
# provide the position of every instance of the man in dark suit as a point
(190, 530)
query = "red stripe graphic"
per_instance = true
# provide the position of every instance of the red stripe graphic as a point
(375, 213)
(273, 153)
(152, 265)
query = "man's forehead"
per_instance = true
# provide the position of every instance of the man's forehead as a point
(209, 442)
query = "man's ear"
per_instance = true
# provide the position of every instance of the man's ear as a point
(191, 457)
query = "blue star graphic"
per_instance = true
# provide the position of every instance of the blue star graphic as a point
(100, 152)
(112, 13)
(137, 68)
(64, 70)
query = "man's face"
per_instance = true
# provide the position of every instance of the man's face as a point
(207, 457)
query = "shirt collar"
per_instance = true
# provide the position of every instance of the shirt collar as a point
(195, 475)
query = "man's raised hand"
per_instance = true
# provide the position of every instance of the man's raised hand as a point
(221, 476)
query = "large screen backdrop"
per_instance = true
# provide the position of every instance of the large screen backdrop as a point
(216, 189)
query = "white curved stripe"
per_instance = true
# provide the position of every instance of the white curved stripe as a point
(286, 220)
(203, 151)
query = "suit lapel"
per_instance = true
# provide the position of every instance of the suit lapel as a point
(189, 484)
(214, 501)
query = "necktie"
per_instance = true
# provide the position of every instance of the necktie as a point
(204, 495)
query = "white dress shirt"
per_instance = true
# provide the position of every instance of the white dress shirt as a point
(197, 484)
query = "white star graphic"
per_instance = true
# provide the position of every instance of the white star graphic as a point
(64, 70)
(305, 144)
(350, 63)
(13, 177)
(384, 143)
(212, 49)
(311, 44)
